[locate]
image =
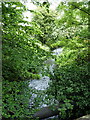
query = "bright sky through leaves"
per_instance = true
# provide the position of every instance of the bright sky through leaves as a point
(31, 6)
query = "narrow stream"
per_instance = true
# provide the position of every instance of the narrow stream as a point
(43, 83)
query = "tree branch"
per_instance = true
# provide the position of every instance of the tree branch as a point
(81, 9)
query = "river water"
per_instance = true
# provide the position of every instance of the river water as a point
(43, 83)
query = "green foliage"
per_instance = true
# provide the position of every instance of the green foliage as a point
(15, 99)
(71, 81)
(45, 20)
(22, 57)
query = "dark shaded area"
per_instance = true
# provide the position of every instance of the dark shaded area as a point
(46, 112)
